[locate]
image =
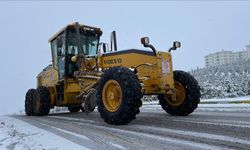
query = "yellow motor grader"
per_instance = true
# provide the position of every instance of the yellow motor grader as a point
(85, 73)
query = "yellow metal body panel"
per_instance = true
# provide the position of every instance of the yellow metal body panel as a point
(166, 74)
(155, 73)
(49, 78)
(71, 90)
(130, 60)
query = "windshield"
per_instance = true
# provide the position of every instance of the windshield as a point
(89, 44)
(88, 41)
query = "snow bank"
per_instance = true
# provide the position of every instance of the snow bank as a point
(52, 111)
(18, 135)
(224, 105)
(245, 99)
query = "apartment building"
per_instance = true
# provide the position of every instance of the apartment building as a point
(226, 57)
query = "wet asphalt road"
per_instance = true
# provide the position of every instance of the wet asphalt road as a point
(153, 129)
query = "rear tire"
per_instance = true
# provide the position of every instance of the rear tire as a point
(41, 103)
(119, 96)
(29, 102)
(191, 97)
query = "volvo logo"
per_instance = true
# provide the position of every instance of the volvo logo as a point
(113, 61)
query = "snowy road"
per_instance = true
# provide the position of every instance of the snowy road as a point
(207, 128)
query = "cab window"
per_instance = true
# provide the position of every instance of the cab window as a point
(89, 43)
(54, 54)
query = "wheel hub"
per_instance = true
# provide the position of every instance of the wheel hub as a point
(112, 95)
(180, 94)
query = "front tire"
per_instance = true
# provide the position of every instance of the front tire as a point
(119, 96)
(41, 101)
(29, 102)
(187, 95)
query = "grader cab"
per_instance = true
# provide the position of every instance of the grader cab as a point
(83, 74)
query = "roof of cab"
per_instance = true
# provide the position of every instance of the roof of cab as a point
(72, 25)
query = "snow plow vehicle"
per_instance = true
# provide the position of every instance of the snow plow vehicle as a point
(85, 73)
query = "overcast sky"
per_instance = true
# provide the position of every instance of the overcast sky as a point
(202, 27)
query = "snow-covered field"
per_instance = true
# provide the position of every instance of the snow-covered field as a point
(18, 135)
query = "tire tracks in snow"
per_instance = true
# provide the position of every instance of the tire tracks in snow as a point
(153, 130)
(69, 130)
(170, 135)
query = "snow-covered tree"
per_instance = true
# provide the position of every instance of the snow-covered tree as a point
(231, 80)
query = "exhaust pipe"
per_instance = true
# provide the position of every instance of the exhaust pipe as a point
(113, 42)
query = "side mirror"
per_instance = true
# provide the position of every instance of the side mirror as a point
(145, 40)
(176, 45)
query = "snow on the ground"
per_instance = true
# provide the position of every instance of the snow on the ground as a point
(18, 135)
(224, 100)
(150, 103)
(54, 110)
(239, 99)
(224, 106)
(154, 104)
